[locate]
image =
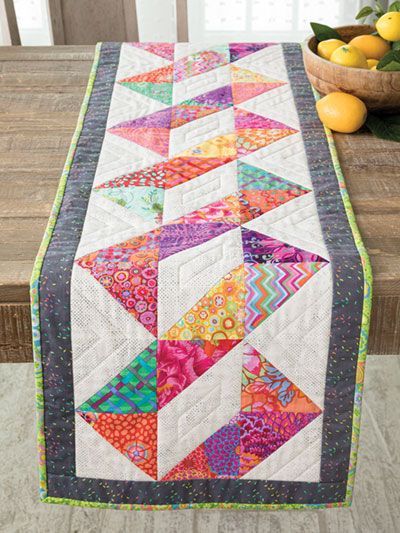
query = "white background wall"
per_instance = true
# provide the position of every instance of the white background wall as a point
(209, 20)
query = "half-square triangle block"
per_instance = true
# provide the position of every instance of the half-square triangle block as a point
(273, 410)
(133, 390)
(134, 435)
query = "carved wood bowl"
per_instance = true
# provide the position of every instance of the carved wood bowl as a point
(379, 90)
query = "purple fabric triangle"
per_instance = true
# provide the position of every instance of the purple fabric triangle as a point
(260, 248)
(220, 97)
(177, 237)
(245, 119)
(239, 50)
(159, 119)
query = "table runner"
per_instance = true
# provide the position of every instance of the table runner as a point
(201, 297)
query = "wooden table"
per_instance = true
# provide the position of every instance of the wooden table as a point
(41, 89)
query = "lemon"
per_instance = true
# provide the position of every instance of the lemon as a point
(372, 46)
(388, 26)
(326, 48)
(373, 68)
(349, 56)
(372, 63)
(341, 112)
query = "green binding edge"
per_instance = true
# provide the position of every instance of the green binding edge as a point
(366, 313)
(34, 294)
(37, 268)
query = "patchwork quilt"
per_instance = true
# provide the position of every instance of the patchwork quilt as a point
(201, 298)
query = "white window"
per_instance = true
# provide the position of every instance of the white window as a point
(265, 20)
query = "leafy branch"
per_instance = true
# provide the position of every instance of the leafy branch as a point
(377, 10)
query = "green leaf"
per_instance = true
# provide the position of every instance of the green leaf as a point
(323, 32)
(396, 45)
(390, 62)
(387, 128)
(364, 12)
(393, 119)
(394, 6)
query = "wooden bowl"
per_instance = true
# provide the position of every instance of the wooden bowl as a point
(379, 90)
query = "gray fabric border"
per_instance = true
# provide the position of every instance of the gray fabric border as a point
(56, 344)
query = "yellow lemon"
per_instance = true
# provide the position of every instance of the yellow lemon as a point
(349, 56)
(372, 63)
(341, 112)
(326, 48)
(372, 46)
(388, 26)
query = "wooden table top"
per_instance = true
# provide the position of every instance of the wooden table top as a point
(41, 90)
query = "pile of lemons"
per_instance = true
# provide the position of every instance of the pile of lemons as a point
(363, 51)
(344, 112)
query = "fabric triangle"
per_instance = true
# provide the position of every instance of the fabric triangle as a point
(243, 75)
(204, 323)
(165, 50)
(270, 285)
(162, 91)
(244, 91)
(219, 147)
(265, 388)
(147, 202)
(260, 248)
(201, 62)
(217, 457)
(251, 177)
(262, 435)
(133, 390)
(134, 435)
(159, 75)
(155, 139)
(159, 119)
(239, 50)
(226, 210)
(220, 97)
(124, 251)
(129, 272)
(247, 120)
(255, 203)
(193, 466)
(252, 139)
(178, 237)
(180, 363)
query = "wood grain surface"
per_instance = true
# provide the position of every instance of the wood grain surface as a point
(41, 89)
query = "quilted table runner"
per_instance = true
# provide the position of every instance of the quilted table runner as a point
(201, 299)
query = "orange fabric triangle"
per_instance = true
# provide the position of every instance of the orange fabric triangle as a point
(193, 466)
(244, 91)
(250, 140)
(156, 139)
(134, 435)
(257, 202)
(160, 75)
